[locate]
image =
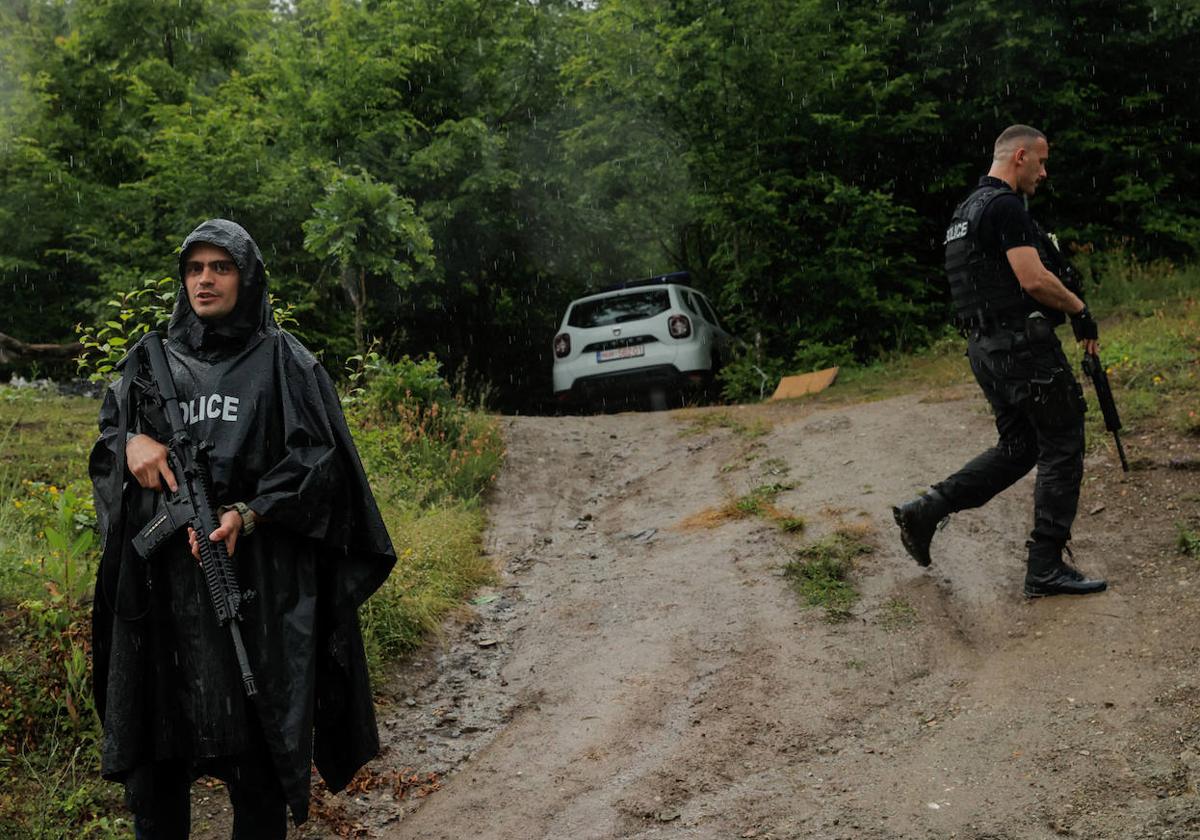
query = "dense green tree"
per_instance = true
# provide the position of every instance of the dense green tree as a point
(777, 118)
(1111, 85)
(91, 75)
(370, 232)
(799, 160)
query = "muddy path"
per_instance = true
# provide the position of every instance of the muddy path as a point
(643, 669)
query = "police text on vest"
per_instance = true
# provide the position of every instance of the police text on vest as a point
(212, 407)
(956, 231)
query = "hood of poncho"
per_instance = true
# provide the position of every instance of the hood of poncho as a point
(251, 316)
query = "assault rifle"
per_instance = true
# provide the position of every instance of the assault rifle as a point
(192, 505)
(1094, 370)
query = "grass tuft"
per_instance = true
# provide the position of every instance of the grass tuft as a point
(755, 428)
(791, 524)
(758, 502)
(820, 572)
(897, 614)
(1188, 542)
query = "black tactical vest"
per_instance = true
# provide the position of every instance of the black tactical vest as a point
(982, 287)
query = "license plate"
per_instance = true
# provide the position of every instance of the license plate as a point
(620, 353)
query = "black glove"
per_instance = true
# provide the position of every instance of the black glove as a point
(1084, 325)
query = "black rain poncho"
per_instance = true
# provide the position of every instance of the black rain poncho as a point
(166, 680)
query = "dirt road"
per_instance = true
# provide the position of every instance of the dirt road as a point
(641, 671)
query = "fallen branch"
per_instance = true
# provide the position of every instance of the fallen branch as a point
(14, 350)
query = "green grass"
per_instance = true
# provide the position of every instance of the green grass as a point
(758, 501)
(820, 572)
(44, 443)
(791, 524)
(761, 502)
(1149, 341)
(1188, 542)
(897, 614)
(1153, 367)
(1119, 283)
(45, 437)
(751, 429)
(439, 564)
(48, 728)
(941, 365)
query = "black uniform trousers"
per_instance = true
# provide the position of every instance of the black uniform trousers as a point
(259, 807)
(1039, 411)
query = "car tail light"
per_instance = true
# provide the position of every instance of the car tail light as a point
(679, 326)
(562, 345)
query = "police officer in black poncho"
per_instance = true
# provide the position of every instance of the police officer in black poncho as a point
(1006, 284)
(307, 543)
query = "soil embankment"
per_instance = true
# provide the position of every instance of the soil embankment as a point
(637, 674)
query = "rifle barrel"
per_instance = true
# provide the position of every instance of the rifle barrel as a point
(1094, 370)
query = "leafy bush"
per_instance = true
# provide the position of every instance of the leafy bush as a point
(749, 376)
(817, 355)
(416, 439)
(48, 724)
(130, 315)
(47, 688)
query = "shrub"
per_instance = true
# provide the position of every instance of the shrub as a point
(419, 442)
(749, 377)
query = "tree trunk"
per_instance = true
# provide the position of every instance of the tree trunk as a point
(360, 308)
(356, 290)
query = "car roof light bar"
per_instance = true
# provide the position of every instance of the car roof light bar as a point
(681, 277)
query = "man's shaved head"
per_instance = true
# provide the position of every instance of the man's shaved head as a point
(1013, 138)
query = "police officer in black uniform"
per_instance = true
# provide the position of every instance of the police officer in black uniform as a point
(1006, 283)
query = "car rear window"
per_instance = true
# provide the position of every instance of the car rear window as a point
(620, 308)
(708, 312)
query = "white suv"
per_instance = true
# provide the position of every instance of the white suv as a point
(649, 335)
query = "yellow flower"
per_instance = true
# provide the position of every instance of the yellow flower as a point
(17, 503)
(53, 490)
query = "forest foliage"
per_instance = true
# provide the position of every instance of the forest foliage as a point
(442, 176)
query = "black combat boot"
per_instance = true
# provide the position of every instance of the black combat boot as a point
(918, 520)
(1049, 574)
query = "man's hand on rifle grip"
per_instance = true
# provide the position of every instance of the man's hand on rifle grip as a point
(231, 526)
(146, 460)
(1087, 331)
